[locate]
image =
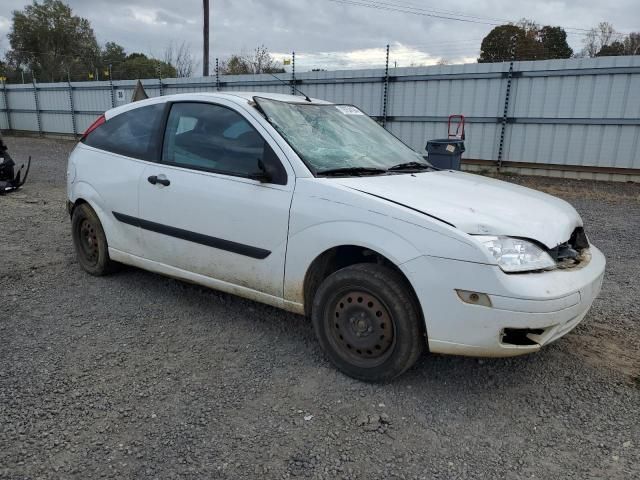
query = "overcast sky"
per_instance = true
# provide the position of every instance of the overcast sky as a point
(328, 34)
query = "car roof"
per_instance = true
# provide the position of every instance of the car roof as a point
(237, 97)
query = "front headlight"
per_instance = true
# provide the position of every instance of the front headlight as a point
(516, 254)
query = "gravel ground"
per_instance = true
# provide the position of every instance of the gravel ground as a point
(140, 376)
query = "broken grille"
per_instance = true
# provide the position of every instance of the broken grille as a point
(573, 252)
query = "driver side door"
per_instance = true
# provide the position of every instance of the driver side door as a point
(203, 208)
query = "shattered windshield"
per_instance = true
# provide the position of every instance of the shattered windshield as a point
(330, 137)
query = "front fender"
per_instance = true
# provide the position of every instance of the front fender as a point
(306, 245)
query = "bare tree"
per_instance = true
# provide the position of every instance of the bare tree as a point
(530, 27)
(259, 61)
(263, 62)
(597, 38)
(632, 44)
(179, 55)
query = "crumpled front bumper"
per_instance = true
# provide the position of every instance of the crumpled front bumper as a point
(549, 304)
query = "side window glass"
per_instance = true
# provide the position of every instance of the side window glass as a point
(186, 124)
(237, 129)
(133, 133)
(215, 138)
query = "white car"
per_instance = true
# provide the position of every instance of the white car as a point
(314, 208)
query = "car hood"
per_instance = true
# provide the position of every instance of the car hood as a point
(476, 204)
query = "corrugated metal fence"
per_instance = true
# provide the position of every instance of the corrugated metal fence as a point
(577, 114)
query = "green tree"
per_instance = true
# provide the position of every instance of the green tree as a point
(138, 65)
(554, 42)
(532, 42)
(50, 41)
(7, 72)
(612, 50)
(496, 46)
(235, 65)
(112, 54)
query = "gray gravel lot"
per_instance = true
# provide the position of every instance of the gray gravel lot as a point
(140, 376)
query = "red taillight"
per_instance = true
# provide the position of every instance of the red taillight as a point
(99, 121)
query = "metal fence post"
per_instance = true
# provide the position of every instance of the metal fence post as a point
(293, 73)
(385, 92)
(159, 74)
(71, 106)
(6, 105)
(507, 96)
(37, 102)
(113, 96)
(217, 75)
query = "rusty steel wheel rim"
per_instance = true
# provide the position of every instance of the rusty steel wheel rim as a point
(361, 328)
(89, 242)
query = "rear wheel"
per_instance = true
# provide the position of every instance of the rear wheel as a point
(90, 241)
(367, 322)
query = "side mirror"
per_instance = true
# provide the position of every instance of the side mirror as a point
(261, 175)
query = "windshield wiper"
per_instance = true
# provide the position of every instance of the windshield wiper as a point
(410, 166)
(356, 171)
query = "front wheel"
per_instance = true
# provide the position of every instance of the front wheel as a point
(367, 322)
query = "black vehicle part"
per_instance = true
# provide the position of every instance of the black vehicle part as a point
(521, 336)
(293, 85)
(572, 252)
(11, 180)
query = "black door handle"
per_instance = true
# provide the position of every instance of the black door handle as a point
(153, 179)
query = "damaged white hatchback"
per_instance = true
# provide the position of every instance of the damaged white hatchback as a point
(314, 208)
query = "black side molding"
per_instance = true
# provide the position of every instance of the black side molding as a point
(219, 243)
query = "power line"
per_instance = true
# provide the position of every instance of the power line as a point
(430, 10)
(392, 8)
(445, 15)
(458, 14)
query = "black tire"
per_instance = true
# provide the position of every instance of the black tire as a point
(368, 323)
(90, 242)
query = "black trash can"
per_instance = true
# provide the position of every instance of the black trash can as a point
(445, 153)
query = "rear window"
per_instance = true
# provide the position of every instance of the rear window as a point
(133, 133)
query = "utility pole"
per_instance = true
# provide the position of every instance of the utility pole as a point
(205, 36)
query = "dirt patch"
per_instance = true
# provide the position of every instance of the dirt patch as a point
(627, 192)
(605, 348)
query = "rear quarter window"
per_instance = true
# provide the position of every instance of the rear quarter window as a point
(135, 133)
